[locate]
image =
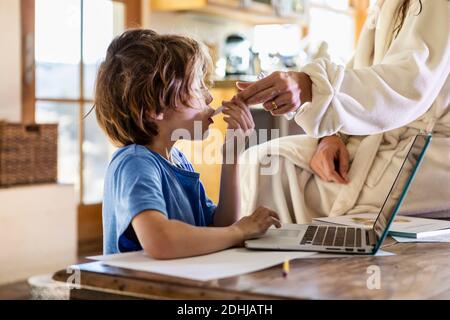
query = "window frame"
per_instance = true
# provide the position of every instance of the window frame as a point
(133, 19)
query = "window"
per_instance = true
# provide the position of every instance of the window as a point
(333, 22)
(276, 45)
(70, 40)
(336, 22)
(338, 32)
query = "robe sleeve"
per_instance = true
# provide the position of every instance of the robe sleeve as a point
(390, 94)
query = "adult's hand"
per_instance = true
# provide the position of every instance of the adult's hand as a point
(280, 92)
(331, 160)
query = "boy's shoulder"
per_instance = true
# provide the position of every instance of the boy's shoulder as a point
(132, 150)
(134, 156)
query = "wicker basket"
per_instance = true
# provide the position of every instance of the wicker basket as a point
(28, 153)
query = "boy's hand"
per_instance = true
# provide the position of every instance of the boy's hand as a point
(257, 223)
(331, 160)
(238, 116)
(240, 125)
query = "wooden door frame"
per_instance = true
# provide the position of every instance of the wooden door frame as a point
(27, 12)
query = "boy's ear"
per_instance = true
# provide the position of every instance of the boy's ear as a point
(155, 116)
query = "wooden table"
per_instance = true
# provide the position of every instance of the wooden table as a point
(417, 271)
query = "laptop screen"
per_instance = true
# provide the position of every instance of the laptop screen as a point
(401, 185)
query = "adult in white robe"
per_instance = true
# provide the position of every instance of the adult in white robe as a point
(393, 88)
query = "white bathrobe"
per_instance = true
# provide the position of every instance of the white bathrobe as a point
(393, 88)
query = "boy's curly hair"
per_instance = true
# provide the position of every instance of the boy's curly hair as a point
(146, 72)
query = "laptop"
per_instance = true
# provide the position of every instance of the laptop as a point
(349, 240)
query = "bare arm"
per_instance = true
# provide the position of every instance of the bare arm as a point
(165, 239)
(162, 238)
(238, 116)
(228, 210)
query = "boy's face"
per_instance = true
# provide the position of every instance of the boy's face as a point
(191, 122)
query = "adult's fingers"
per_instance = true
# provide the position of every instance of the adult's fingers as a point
(330, 170)
(243, 85)
(257, 87)
(343, 162)
(283, 109)
(262, 96)
(284, 98)
(318, 171)
(282, 104)
(270, 105)
(286, 102)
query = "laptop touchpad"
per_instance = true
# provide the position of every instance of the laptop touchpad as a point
(283, 233)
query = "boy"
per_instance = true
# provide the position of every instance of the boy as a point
(149, 86)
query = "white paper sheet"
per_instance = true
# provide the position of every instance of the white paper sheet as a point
(441, 238)
(223, 264)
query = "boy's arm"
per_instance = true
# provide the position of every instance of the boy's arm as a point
(162, 238)
(228, 209)
(240, 124)
(166, 239)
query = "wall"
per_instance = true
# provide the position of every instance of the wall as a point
(38, 224)
(10, 60)
(38, 233)
(210, 29)
(206, 28)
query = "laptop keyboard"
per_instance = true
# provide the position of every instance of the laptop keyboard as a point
(332, 236)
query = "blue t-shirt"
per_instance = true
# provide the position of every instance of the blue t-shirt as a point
(139, 179)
